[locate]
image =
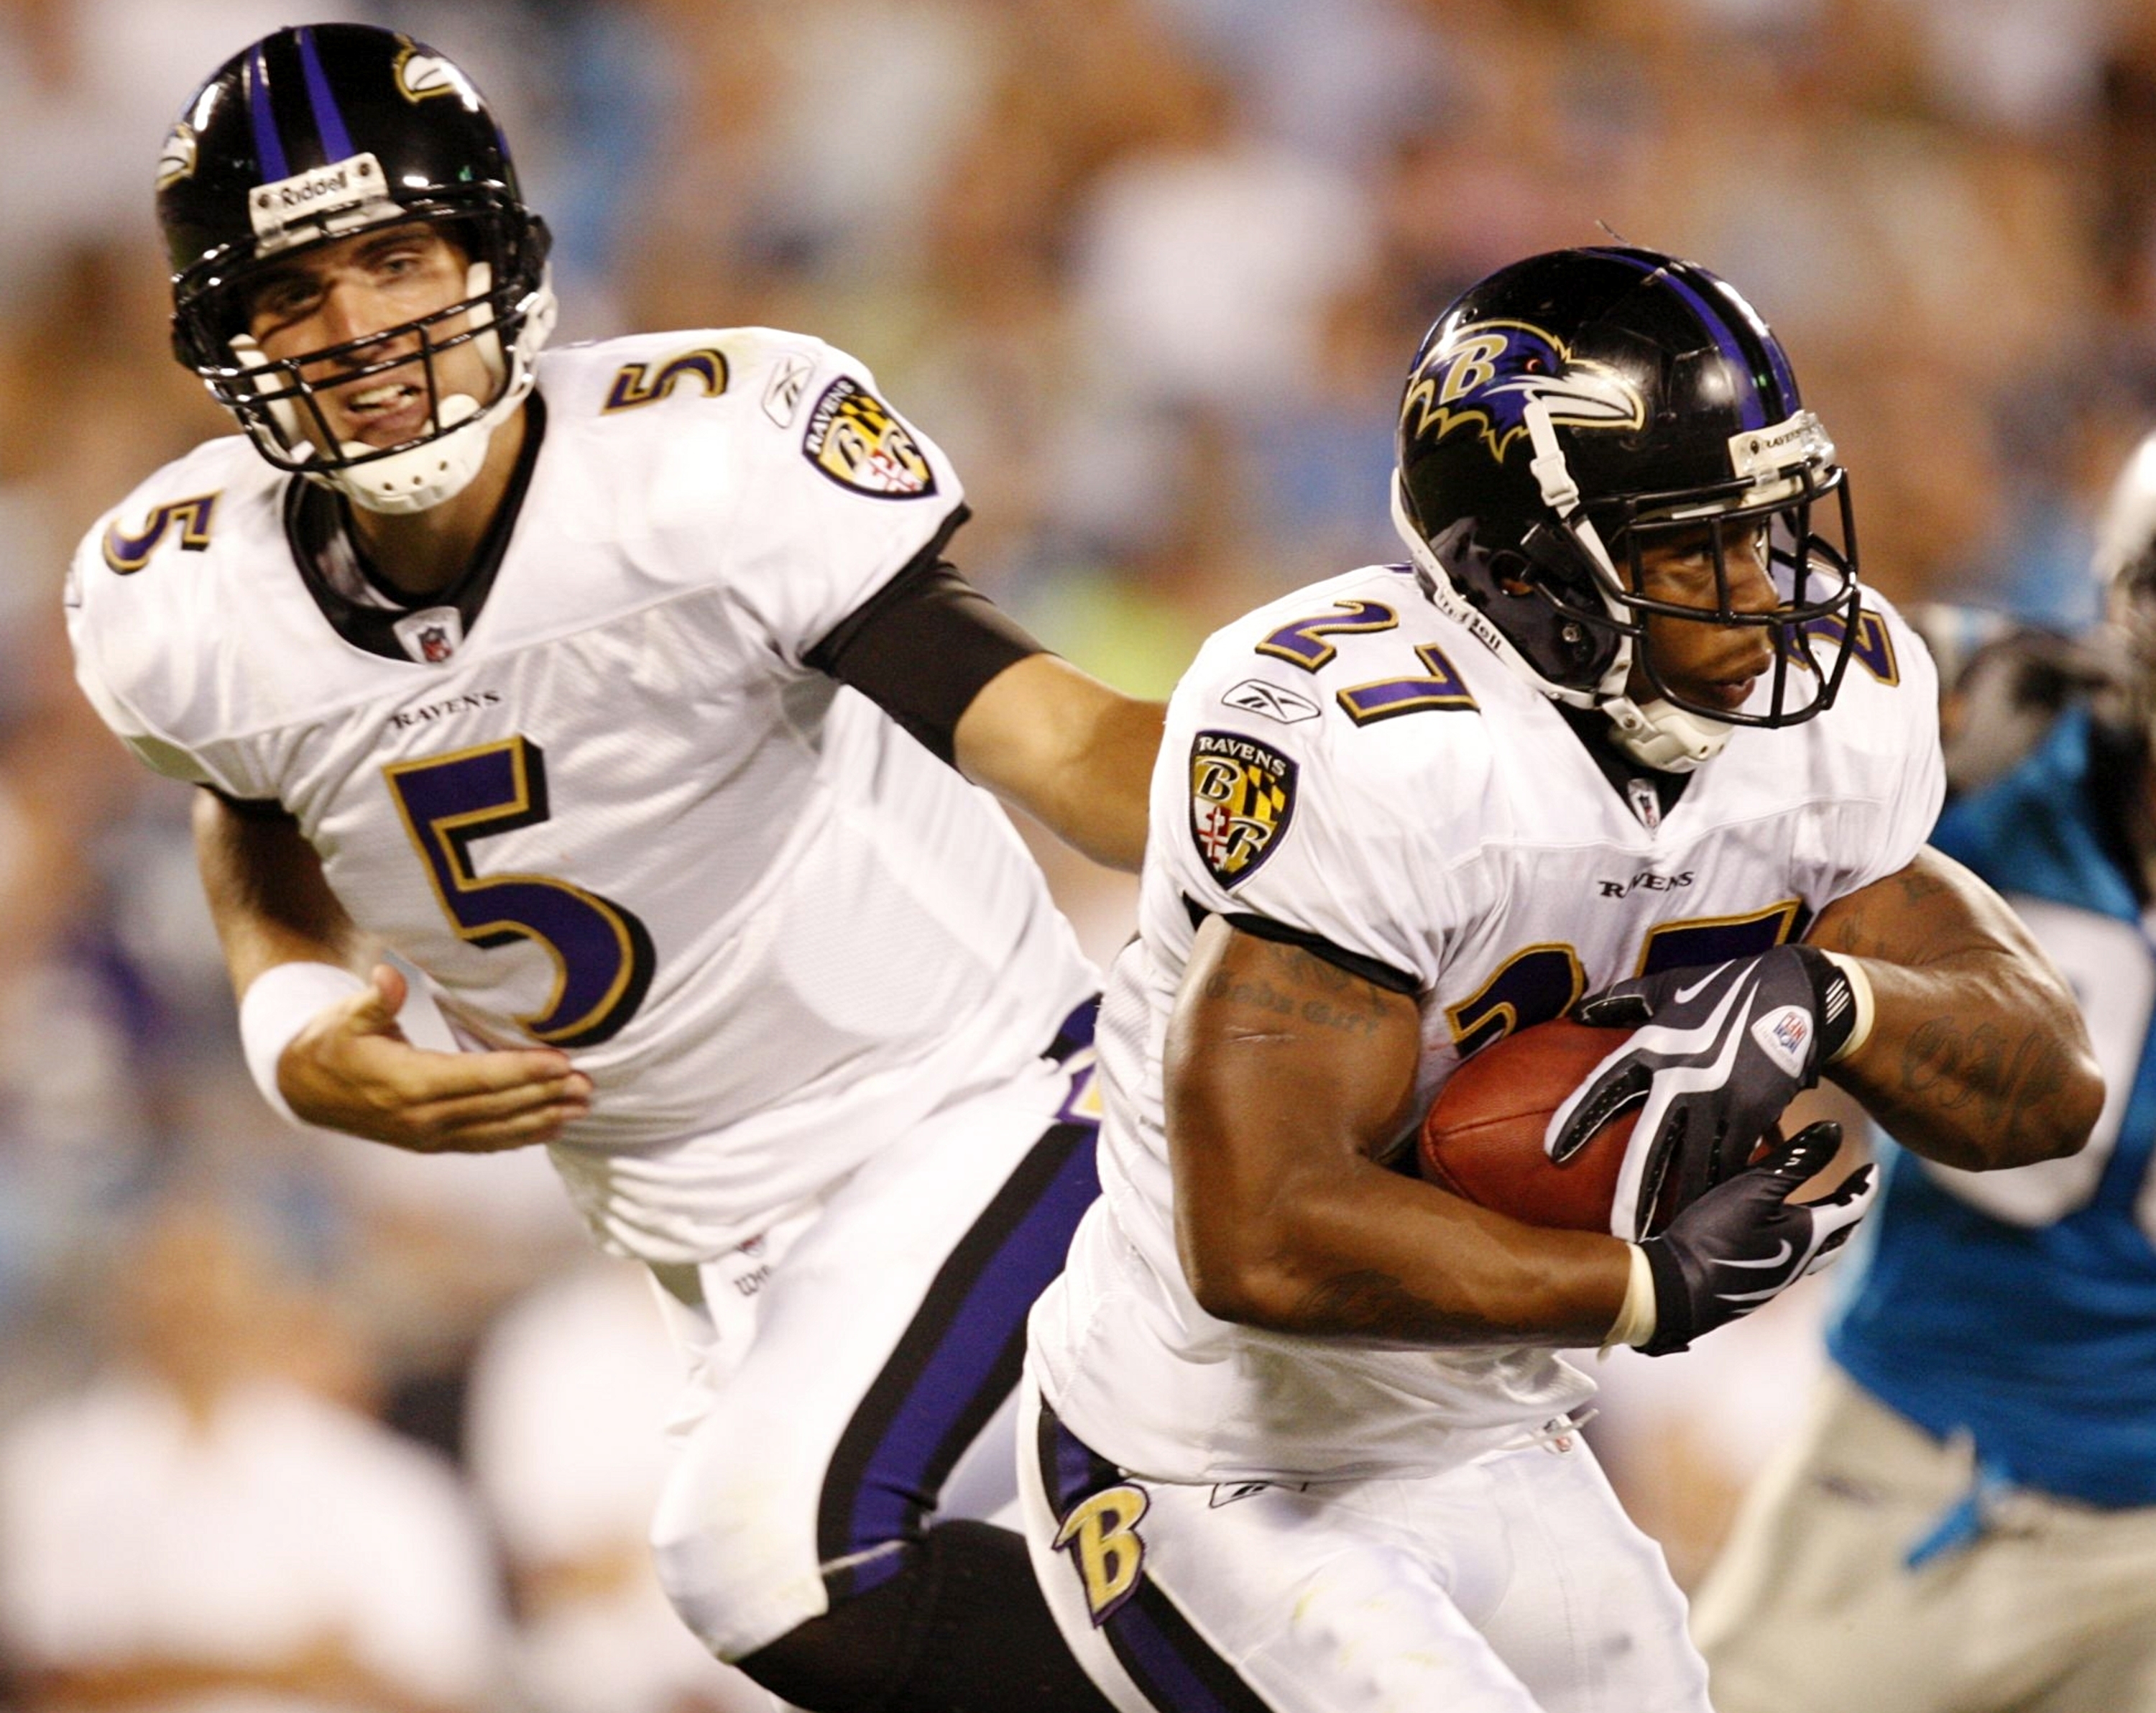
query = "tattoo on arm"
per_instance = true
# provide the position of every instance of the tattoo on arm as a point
(1917, 885)
(1951, 1067)
(1371, 1302)
(1298, 984)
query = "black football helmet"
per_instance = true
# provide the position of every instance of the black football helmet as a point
(313, 134)
(1572, 407)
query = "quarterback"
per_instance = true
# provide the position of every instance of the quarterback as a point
(625, 692)
(1296, 1432)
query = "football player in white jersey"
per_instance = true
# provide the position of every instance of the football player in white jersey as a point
(626, 693)
(1296, 1434)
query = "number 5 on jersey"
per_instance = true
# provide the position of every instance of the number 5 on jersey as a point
(602, 954)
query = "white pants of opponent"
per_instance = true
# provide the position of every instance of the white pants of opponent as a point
(851, 1368)
(1813, 1608)
(1514, 1584)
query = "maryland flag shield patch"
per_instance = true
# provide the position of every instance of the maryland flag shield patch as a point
(857, 440)
(1242, 796)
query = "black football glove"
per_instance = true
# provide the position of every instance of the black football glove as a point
(1744, 1241)
(1718, 1052)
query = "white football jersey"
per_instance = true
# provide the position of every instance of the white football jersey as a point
(612, 808)
(1350, 763)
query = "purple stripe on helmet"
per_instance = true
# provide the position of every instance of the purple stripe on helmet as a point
(1784, 378)
(1754, 412)
(975, 1355)
(268, 146)
(336, 140)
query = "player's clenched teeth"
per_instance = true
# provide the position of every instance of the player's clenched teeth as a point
(385, 411)
(379, 397)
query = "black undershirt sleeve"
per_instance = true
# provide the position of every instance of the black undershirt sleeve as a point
(256, 808)
(1369, 969)
(924, 645)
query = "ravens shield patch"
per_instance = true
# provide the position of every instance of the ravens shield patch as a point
(1242, 794)
(858, 441)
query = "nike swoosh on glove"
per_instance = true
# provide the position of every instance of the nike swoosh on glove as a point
(1744, 1241)
(1714, 1055)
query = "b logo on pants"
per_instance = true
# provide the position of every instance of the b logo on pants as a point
(1100, 1533)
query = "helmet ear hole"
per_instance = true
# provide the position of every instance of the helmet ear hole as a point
(1512, 572)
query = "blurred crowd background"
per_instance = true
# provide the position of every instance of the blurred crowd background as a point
(288, 1421)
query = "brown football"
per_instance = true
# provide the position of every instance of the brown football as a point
(1482, 1137)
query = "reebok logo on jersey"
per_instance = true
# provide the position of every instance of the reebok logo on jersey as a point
(1784, 1035)
(1256, 695)
(857, 440)
(1242, 797)
(1232, 1492)
(781, 394)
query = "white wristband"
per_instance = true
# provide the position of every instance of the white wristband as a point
(280, 1002)
(1860, 993)
(1636, 1321)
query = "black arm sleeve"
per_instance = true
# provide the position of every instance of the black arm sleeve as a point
(255, 809)
(924, 645)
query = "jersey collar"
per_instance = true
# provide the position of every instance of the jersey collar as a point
(359, 606)
(1638, 784)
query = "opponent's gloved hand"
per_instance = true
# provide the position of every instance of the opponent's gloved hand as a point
(1718, 1052)
(2002, 685)
(1744, 1243)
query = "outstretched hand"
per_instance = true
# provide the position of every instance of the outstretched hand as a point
(350, 1069)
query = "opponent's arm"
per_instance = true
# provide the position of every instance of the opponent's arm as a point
(1977, 1057)
(1073, 754)
(1284, 1076)
(349, 1067)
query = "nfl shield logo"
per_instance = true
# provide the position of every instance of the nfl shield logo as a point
(432, 634)
(1242, 795)
(1646, 803)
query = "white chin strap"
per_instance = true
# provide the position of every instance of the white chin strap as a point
(1661, 734)
(423, 477)
(1656, 733)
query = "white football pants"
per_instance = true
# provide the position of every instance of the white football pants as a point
(1514, 1584)
(852, 1369)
